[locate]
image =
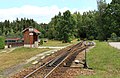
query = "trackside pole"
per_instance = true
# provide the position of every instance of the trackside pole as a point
(85, 64)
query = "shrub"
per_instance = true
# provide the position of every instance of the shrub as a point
(118, 39)
(78, 39)
(41, 42)
(67, 40)
(114, 37)
(91, 38)
(85, 39)
(2, 42)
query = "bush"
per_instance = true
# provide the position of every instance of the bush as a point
(85, 39)
(113, 37)
(91, 38)
(67, 40)
(118, 39)
(41, 42)
(2, 42)
(78, 39)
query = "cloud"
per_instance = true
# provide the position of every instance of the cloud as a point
(39, 14)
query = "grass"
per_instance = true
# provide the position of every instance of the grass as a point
(17, 56)
(105, 60)
(58, 43)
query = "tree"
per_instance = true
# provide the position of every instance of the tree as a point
(69, 25)
(2, 42)
(101, 9)
(62, 27)
(88, 26)
(78, 18)
(111, 19)
(51, 30)
(15, 28)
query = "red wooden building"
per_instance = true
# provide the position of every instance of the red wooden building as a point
(31, 37)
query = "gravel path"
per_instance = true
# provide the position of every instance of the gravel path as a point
(41, 54)
(115, 44)
(50, 47)
(55, 49)
(8, 50)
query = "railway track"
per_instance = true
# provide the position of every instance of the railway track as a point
(66, 62)
(52, 68)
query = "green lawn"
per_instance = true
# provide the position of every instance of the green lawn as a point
(58, 43)
(17, 56)
(105, 60)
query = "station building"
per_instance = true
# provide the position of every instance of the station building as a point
(31, 37)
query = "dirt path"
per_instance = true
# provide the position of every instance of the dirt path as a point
(8, 50)
(115, 44)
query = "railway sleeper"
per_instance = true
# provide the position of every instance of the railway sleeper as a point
(57, 60)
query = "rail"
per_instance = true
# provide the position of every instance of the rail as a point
(60, 59)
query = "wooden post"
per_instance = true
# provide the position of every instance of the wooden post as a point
(85, 64)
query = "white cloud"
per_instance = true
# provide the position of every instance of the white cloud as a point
(39, 14)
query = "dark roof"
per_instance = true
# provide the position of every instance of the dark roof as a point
(34, 30)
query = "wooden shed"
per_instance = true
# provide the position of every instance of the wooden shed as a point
(31, 36)
(14, 42)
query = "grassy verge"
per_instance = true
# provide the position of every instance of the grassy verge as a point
(17, 56)
(57, 43)
(105, 60)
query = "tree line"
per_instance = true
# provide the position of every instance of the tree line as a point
(14, 29)
(98, 24)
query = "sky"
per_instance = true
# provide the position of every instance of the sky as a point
(42, 10)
